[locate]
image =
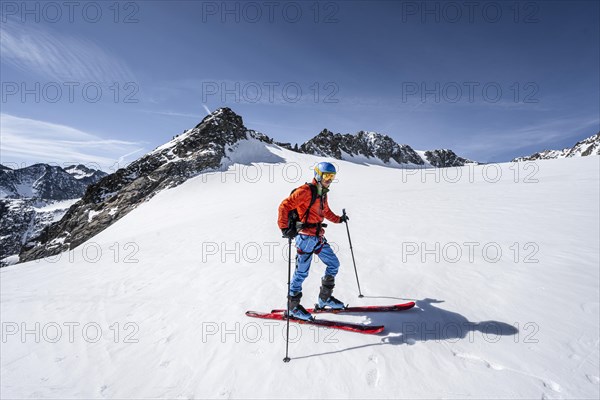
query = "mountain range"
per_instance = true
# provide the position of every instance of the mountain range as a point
(34, 197)
(217, 142)
(204, 148)
(44, 181)
(375, 148)
(585, 147)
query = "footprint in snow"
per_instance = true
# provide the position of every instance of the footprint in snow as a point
(166, 339)
(555, 387)
(488, 364)
(373, 373)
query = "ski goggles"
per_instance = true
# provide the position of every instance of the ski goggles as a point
(328, 175)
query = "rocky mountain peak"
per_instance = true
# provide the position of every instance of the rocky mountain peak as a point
(363, 144)
(202, 148)
(443, 158)
(224, 117)
(585, 147)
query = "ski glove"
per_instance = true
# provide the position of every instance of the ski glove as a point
(288, 233)
(344, 218)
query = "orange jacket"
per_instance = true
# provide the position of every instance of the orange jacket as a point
(300, 200)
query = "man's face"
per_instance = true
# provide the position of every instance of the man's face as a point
(327, 179)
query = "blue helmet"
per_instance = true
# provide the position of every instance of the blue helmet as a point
(323, 168)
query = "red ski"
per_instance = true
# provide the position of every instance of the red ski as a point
(358, 309)
(345, 326)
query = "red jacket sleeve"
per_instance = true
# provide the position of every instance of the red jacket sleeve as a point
(330, 215)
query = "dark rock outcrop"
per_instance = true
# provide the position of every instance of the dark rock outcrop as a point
(446, 158)
(197, 150)
(366, 144)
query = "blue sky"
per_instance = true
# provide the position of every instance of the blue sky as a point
(106, 82)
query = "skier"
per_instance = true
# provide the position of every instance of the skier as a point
(301, 217)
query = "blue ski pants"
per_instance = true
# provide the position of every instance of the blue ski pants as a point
(306, 246)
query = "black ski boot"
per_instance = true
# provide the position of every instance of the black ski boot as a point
(325, 297)
(296, 309)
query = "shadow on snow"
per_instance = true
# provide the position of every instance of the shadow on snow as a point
(426, 322)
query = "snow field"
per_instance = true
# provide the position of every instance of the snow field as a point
(167, 286)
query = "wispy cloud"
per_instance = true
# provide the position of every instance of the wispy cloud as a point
(27, 141)
(43, 52)
(215, 93)
(541, 135)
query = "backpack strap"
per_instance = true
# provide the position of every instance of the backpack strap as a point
(318, 226)
(313, 198)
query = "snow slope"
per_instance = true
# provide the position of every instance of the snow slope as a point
(153, 307)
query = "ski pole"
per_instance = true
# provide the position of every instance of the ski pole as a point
(287, 336)
(352, 252)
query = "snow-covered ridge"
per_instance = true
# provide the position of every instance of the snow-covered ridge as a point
(362, 144)
(85, 174)
(583, 148)
(378, 149)
(206, 147)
